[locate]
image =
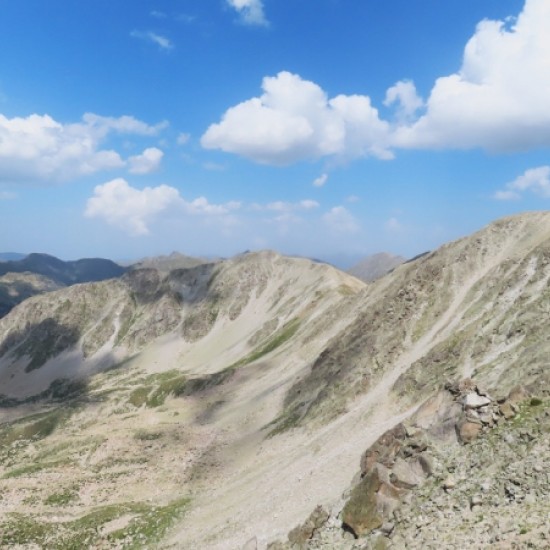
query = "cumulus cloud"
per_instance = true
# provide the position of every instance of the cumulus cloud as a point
(320, 181)
(37, 148)
(295, 120)
(161, 41)
(341, 220)
(133, 210)
(536, 180)
(404, 95)
(250, 11)
(498, 100)
(147, 162)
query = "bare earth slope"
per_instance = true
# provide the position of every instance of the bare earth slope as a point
(220, 404)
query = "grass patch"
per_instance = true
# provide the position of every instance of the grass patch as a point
(34, 427)
(157, 387)
(33, 468)
(148, 526)
(147, 435)
(62, 498)
(277, 340)
(288, 420)
(139, 396)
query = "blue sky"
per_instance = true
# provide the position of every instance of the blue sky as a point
(326, 128)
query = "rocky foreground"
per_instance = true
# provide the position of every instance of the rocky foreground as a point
(467, 471)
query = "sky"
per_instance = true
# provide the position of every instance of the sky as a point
(327, 128)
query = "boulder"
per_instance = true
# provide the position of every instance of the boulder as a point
(474, 401)
(468, 431)
(361, 513)
(299, 536)
(406, 475)
(507, 410)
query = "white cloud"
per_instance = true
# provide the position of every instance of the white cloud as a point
(353, 198)
(393, 225)
(157, 14)
(133, 210)
(499, 99)
(536, 180)
(147, 162)
(321, 180)
(122, 125)
(127, 207)
(161, 41)
(341, 220)
(7, 195)
(294, 120)
(403, 93)
(40, 149)
(250, 11)
(183, 138)
(282, 206)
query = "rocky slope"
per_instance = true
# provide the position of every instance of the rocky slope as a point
(16, 287)
(373, 267)
(215, 407)
(175, 260)
(34, 274)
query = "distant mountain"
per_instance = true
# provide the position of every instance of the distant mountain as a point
(39, 273)
(11, 256)
(176, 260)
(64, 273)
(16, 287)
(373, 267)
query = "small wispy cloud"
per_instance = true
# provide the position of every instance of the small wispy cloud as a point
(7, 195)
(251, 11)
(162, 42)
(158, 14)
(340, 220)
(536, 180)
(186, 18)
(320, 181)
(183, 138)
(393, 225)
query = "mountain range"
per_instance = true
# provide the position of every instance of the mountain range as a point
(272, 402)
(22, 277)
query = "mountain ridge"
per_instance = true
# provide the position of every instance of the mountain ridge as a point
(270, 377)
